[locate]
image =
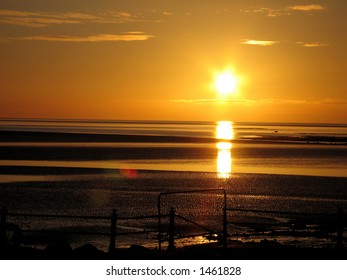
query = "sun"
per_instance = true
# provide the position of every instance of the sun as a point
(226, 83)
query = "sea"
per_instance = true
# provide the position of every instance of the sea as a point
(93, 167)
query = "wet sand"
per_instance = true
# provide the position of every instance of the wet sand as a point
(97, 191)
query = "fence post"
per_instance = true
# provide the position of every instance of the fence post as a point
(340, 226)
(159, 222)
(113, 230)
(172, 229)
(225, 233)
(3, 224)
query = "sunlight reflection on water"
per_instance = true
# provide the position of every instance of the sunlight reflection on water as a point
(225, 132)
(224, 160)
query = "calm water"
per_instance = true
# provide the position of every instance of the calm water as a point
(296, 149)
(278, 167)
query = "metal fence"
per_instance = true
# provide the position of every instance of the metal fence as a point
(322, 225)
(274, 224)
(17, 233)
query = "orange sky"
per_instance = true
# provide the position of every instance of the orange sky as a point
(156, 59)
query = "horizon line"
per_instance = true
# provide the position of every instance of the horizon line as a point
(97, 120)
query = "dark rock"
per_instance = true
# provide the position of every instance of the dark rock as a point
(58, 250)
(88, 252)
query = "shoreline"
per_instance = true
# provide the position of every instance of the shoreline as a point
(87, 185)
(19, 136)
(20, 169)
(265, 250)
(161, 180)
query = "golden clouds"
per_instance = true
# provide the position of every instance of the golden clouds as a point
(44, 19)
(126, 37)
(285, 11)
(312, 44)
(306, 8)
(258, 42)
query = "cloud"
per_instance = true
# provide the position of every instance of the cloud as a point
(258, 42)
(309, 101)
(306, 8)
(125, 37)
(285, 101)
(256, 102)
(240, 101)
(312, 44)
(286, 11)
(212, 101)
(199, 100)
(35, 19)
(43, 19)
(270, 43)
(267, 11)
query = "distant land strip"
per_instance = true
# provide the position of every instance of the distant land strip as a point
(30, 136)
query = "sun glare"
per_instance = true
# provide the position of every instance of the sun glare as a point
(224, 130)
(224, 161)
(225, 83)
(225, 133)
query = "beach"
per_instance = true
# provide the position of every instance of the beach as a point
(93, 174)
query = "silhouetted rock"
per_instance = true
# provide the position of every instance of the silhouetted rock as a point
(58, 250)
(88, 252)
